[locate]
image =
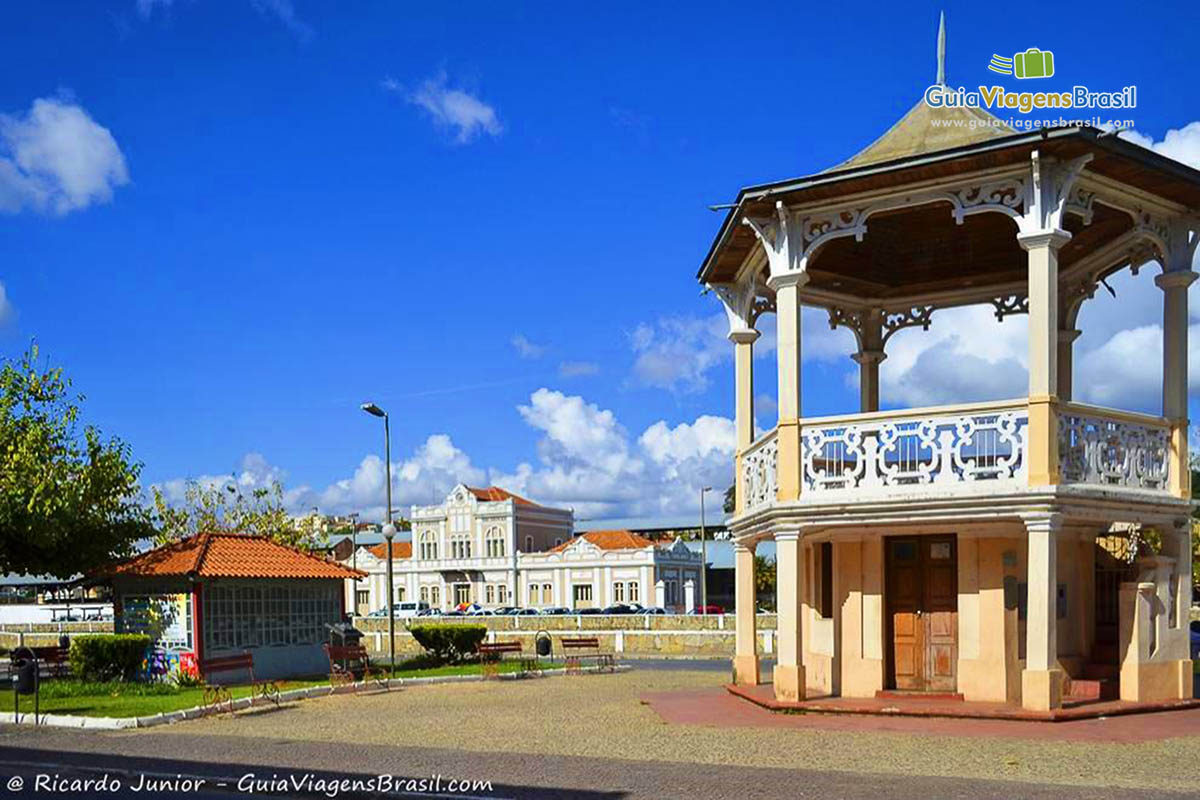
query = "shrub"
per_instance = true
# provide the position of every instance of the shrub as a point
(449, 643)
(108, 657)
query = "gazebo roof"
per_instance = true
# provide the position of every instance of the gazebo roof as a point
(925, 129)
(228, 555)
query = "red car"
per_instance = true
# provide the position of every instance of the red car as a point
(709, 609)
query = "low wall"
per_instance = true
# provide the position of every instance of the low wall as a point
(629, 635)
(44, 634)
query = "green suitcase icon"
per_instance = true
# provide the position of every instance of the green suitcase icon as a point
(1033, 63)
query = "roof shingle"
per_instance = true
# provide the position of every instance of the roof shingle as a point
(608, 540)
(230, 555)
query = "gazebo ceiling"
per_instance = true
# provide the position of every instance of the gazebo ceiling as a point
(922, 249)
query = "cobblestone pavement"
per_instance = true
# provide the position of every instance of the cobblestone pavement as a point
(609, 716)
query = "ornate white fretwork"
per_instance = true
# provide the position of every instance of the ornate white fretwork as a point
(1081, 202)
(759, 465)
(917, 316)
(744, 302)
(1112, 452)
(1050, 192)
(944, 449)
(1008, 196)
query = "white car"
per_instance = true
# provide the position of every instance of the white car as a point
(409, 608)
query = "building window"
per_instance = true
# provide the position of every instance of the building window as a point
(435, 597)
(634, 594)
(491, 594)
(240, 617)
(502, 594)
(424, 594)
(494, 542)
(460, 545)
(547, 594)
(824, 553)
(429, 545)
(533, 594)
(399, 594)
(362, 598)
(462, 594)
(528, 544)
(618, 592)
(583, 595)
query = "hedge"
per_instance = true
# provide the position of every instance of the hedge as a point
(109, 656)
(449, 643)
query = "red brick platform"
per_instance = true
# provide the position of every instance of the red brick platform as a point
(898, 705)
(717, 707)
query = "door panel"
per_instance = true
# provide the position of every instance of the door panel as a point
(922, 602)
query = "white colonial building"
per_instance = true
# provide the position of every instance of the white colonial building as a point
(493, 548)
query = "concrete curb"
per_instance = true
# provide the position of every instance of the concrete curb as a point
(196, 712)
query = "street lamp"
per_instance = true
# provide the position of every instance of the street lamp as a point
(389, 530)
(703, 556)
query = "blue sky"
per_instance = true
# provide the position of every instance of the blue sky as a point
(488, 220)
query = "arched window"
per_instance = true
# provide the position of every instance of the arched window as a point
(528, 544)
(547, 594)
(633, 592)
(435, 596)
(429, 544)
(533, 594)
(494, 542)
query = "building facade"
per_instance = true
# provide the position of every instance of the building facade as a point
(492, 548)
(1032, 550)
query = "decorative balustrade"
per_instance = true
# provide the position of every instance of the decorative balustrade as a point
(935, 447)
(759, 471)
(1110, 448)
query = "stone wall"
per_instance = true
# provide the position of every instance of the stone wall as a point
(629, 635)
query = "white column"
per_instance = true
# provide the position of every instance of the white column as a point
(689, 595)
(788, 352)
(660, 593)
(745, 659)
(743, 341)
(789, 577)
(1041, 682)
(1043, 246)
(1175, 373)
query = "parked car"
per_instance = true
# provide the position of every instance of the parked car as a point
(655, 611)
(556, 611)
(410, 608)
(709, 609)
(455, 613)
(481, 612)
(507, 610)
(588, 611)
(620, 608)
(430, 612)
(526, 612)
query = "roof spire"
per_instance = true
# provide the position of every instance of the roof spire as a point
(941, 50)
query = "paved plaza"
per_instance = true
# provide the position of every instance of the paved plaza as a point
(655, 733)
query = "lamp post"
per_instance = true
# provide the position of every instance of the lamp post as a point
(389, 530)
(703, 556)
(354, 559)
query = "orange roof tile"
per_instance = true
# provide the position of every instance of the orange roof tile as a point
(230, 555)
(399, 550)
(493, 494)
(608, 540)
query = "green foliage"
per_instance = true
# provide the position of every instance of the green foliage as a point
(764, 578)
(730, 499)
(108, 656)
(79, 688)
(224, 507)
(448, 642)
(69, 499)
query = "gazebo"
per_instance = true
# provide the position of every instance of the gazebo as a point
(218, 594)
(987, 550)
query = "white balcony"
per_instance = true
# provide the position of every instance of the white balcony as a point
(976, 449)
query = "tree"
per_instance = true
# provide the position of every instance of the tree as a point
(764, 578)
(224, 507)
(730, 499)
(69, 499)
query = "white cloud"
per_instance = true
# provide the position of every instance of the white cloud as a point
(586, 460)
(282, 10)
(7, 310)
(526, 348)
(57, 159)
(454, 109)
(1181, 144)
(578, 369)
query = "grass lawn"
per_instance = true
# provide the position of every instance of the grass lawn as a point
(68, 696)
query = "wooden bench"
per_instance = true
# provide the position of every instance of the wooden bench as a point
(491, 656)
(217, 698)
(349, 664)
(55, 659)
(578, 648)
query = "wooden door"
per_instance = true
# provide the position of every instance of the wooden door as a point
(939, 613)
(922, 612)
